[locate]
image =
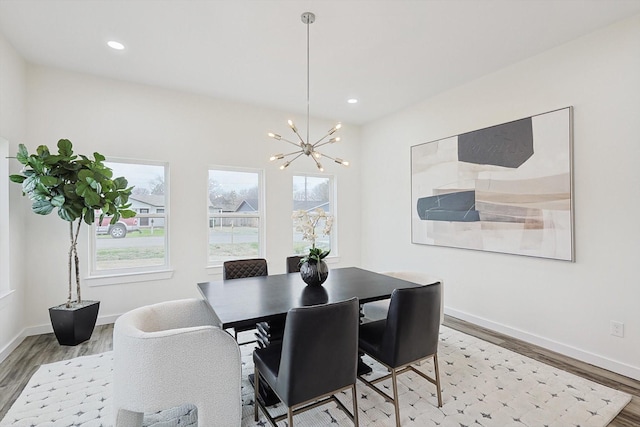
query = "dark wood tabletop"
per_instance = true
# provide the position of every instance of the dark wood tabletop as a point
(269, 297)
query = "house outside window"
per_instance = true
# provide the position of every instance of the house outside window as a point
(235, 214)
(311, 192)
(138, 244)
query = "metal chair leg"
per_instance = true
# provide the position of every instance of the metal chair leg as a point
(394, 382)
(290, 417)
(256, 381)
(437, 372)
(355, 406)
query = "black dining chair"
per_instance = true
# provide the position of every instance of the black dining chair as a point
(241, 268)
(408, 335)
(316, 359)
(293, 263)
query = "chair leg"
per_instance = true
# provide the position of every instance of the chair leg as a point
(394, 382)
(355, 406)
(437, 372)
(256, 384)
(290, 417)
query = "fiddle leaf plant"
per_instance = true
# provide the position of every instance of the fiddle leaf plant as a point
(78, 187)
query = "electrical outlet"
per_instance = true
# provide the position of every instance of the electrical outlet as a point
(617, 329)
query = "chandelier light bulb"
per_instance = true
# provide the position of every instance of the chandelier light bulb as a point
(274, 135)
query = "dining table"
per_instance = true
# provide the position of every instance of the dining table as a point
(265, 300)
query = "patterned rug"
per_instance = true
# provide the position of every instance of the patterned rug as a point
(483, 385)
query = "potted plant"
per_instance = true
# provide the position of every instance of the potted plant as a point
(82, 190)
(313, 269)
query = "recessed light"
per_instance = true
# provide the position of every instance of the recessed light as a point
(352, 101)
(115, 45)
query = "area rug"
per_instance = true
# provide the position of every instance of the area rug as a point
(482, 385)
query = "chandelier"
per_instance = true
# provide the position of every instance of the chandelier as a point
(305, 146)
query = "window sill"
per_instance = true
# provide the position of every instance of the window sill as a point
(332, 259)
(119, 279)
(213, 270)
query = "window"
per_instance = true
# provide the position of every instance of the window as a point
(236, 206)
(139, 244)
(4, 216)
(310, 193)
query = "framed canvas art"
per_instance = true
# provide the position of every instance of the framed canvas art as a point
(506, 188)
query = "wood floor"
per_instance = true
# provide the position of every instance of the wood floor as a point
(34, 351)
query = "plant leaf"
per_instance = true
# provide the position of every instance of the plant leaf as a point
(42, 207)
(48, 181)
(65, 148)
(29, 184)
(22, 154)
(89, 216)
(58, 201)
(17, 178)
(127, 213)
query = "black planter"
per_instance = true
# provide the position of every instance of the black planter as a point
(314, 273)
(74, 325)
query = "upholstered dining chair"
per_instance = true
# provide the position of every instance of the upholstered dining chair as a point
(316, 359)
(378, 310)
(408, 335)
(293, 263)
(241, 268)
(173, 353)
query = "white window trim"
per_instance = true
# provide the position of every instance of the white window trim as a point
(135, 274)
(216, 267)
(129, 277)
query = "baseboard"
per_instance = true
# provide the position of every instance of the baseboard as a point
(47, 329)
(567, 350)
(12, 345)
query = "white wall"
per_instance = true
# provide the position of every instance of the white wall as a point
(561, 305)
(12, 128)
(191, 132)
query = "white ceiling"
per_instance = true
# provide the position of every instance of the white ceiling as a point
(388, 54)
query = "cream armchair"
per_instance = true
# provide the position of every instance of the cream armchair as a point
(378, 310)
(174, 353)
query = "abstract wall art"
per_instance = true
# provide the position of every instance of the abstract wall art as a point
(506, 188)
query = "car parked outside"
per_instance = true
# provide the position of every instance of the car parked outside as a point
(119, 229)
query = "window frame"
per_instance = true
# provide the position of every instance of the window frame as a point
(215, 266)
(134, 274)
(333, 197)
